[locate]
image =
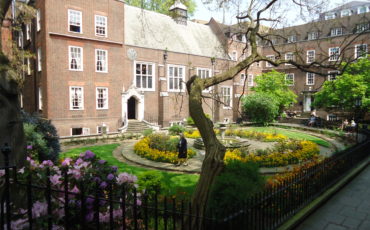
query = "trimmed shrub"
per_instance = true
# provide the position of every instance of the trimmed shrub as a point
(260, 108)
(36, 143)
(147, 132)
(237, 182)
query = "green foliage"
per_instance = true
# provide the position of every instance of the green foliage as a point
(163, 142)
(236, 183)
(274, 85)
(147, 132)
(48, 133)
(343, 92)
(176, 129)
(260, 108)
(162, 6)
(35, 139)
(151, 182)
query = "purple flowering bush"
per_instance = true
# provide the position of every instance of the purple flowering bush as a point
(88, 178)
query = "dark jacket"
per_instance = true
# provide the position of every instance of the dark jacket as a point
(183, 147)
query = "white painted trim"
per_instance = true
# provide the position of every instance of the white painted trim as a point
(106, 26)
(70, 58)
(356, 45)
(292, 74)
(68, 29)
(314, 55)
(307, 79)
(38, 20)
(139, 96)
(96, 61)
(70, 97)
(96, 98)
(153, 75)
(331, 55)
(231, 97)
(183, 79)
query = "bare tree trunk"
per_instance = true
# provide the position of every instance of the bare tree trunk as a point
(215, 151)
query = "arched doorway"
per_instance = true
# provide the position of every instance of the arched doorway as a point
(131, 108)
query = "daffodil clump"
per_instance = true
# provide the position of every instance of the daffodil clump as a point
(284, 153)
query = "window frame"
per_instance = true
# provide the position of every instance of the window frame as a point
(28, 66)
(183, 78)
(315, 37)
(307, 78)
(336, 30)
(106, 61)
(28, 31)
(105, 26)
(347, 11)
(286, 79)
(361, 7)
(106, 105)
(223, 97)
(363, 26)
(356, 53)
(272, 58)
(292, 38)
(70, 58)
(71, 101)
(286, 59)
(308, 56)
(242, 78)
(39, 97)
(39, 59)
(69, 21)
(250, 80)
(38, 20)
(330, 15)
(332, 55)
(141, 75)
(330, 73)
(234, 55)
(101, 131)
(209, 75)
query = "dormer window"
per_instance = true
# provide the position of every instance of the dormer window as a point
(330, 15)
(336, 31)
(345, 13)
(292, 38)
(313, 35)
(362, 10)
(362, 27)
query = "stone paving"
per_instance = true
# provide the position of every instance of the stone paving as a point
(347, 209)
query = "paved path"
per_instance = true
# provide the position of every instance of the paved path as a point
(348, 209)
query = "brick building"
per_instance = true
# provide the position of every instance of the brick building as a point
(102, 63)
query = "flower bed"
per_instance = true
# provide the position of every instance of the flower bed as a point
(145, 148)
(260, 136)
(88, 177)
(284, 153)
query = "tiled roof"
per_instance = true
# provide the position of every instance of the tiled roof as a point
(153, 30)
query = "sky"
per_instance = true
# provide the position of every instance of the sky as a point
(204, 12)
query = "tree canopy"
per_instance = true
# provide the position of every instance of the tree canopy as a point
(161, 6)
(275, 86)
(347, 89)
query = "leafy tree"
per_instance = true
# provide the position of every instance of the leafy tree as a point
(275, 86)
(260, 107)
(346, 89)
(252, 14)
(162, 6)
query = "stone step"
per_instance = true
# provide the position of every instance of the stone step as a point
(135, 126)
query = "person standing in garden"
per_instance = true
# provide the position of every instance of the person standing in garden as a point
(182, 147)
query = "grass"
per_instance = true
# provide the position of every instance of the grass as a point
(176, 183)
(292, 134)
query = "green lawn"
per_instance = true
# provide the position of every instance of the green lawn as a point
(292, 134)
(177, 183)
